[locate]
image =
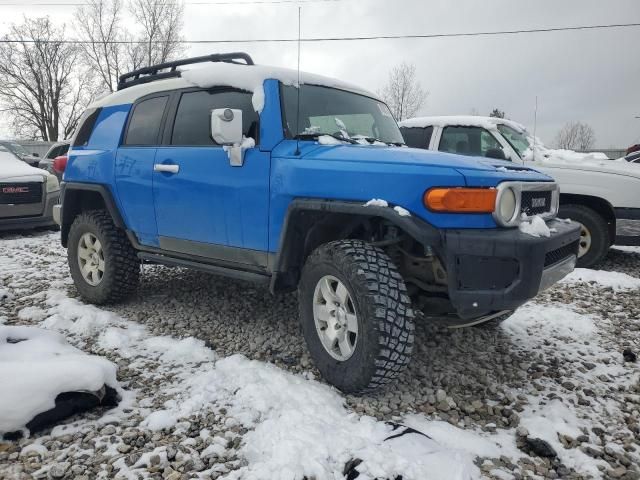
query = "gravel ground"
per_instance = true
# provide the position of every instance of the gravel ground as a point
(487, 380)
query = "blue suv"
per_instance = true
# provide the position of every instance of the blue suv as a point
(232, 169)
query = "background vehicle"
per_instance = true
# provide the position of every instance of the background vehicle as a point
(600, 194)
(19, 151)
(57, 151)
(27, 194)
(633, 157)
(210, 168)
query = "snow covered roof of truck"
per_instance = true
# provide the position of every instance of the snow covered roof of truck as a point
(490, 123)
(244, 77)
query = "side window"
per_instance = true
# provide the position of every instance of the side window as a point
(87, 122)
(417, 137)
(193, 117)
(144, 126)
(474, 141)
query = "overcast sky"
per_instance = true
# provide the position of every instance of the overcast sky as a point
(592, 76)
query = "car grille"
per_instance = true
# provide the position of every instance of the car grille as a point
(535, 202)
(559, 254)
(20, 193)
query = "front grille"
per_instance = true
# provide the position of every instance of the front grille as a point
(536, 202)
(20, 193)
(559, 254)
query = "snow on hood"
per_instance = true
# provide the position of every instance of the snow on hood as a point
(12, 167)
(251, 78)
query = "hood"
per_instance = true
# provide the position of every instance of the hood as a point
(493, 171)
(14, 168)
(590, 162)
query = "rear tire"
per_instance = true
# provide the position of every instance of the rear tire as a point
(109, 262)
(594, 236)
(371, 301)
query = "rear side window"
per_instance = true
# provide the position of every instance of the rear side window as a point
(417, 137)
(192, 125)
(144, 126)
(87, 122)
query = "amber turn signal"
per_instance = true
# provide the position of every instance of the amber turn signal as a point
(461, 200)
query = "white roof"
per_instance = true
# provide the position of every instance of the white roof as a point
(243, 77)
(490, 123)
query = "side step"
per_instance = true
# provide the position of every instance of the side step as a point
(453, 321)
(204, 267)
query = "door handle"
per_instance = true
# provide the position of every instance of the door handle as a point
(166, 168)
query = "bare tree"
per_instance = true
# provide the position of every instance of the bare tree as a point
(42, 89)
(161, 30)
(576, 136)
(403, 92)
(99, 25)
(497, 113)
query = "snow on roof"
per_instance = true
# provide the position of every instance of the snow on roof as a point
(244, 77)
(490, 123)
(37, 366)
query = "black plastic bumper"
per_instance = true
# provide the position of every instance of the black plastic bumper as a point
(500, 269)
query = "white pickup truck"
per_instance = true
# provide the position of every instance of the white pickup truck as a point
(601, 194)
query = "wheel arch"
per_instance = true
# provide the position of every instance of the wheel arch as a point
(310, 223)
(79, 197)
(597, 204)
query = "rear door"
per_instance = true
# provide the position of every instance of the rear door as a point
(134, 166)
(203, 205)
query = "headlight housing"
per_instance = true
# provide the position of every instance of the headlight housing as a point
(52, 184)
(506, 206)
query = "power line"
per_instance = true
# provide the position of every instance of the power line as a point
(222, 2)
(346, 39)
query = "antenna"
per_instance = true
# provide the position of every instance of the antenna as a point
(297, 152)
(535, 125)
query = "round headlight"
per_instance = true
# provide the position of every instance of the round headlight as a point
(52, 183)
(507, 205)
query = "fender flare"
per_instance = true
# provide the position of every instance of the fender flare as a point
(69, 209)
(285, 258)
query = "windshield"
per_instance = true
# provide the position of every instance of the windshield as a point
(329, 111)
(518, 140)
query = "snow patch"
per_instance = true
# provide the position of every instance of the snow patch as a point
(403, 212)
(36, 366)
(251, 78)
(376, 202)
(329, 140)
(534, 226)
(616, 280)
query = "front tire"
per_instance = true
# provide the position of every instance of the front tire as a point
(594, 234)
(356, 315)
(103, 264)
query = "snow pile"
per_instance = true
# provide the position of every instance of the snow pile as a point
(36, 366)
(376, 202)
(534, 226)
(251, 78)
(329, 140)
(403, 212)
(544, 154)
(616, 280)
(300, 428)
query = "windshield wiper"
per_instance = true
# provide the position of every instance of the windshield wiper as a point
(334, 135)
(372, 140)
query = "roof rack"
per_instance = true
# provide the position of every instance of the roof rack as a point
(153, 72)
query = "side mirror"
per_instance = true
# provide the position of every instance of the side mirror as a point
(226, 126)
(35, 154)
(496, 153)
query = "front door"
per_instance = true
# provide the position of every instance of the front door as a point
(204, 206)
